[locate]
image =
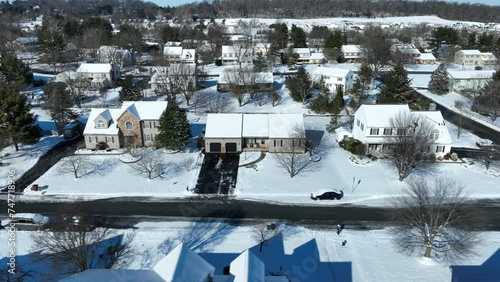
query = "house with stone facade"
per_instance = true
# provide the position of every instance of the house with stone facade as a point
(135, 124)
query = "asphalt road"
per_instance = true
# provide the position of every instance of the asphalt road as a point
(138, 209)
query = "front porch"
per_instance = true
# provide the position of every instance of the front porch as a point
(255, 144)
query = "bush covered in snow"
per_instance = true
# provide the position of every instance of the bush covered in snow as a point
(353, 145)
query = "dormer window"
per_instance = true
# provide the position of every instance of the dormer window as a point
(128, 125)
(101, 124)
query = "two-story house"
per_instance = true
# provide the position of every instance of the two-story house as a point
(233, 133)
(372, 126)
(113, 54)
(352, 53)
(135, 124)
(306, 56)
(465, 80)
(334, 77)
(236, 54)
(177, 54)
(474, 58)
(407, 53)
(99, 75)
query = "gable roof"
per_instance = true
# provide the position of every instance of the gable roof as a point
(285, 125)
(171, 50)
(94, 113)
(379, 115)
(93, 275)
(146, 110)
(256, 125)
(94, 68)
(224, 126)
(426, 56)
(182, 264)
(331, 71)
(247, 268)
(470, 52)
(351, 48)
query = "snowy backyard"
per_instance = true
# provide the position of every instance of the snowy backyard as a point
(316, 251)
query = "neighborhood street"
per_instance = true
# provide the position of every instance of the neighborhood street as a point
(138, 209)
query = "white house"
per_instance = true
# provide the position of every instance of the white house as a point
(99, 75)
(306, 56)
(426, 59)
(261, 48)
(474, 79)
(334, 77)
(352, 53)
(372, 127)
(181, 75)
(113, 54)
(235, 54)
(233, 133)
(177, 54)
(474, 58)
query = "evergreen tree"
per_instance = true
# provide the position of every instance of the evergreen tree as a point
(362, 83)
(338, 101)
(174, 131)
(471, 41)
(14, 70)
(299, 85)
(334, 40)
(333, 124)
(496, 75)
(396, 88)
(440, 82)
(16, 121)
(129, 91)
(298, 37)
(321, 102)
(51, 43)
(58, 102)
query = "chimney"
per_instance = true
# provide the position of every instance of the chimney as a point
(432, 106)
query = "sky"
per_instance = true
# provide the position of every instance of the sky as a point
(180, 2)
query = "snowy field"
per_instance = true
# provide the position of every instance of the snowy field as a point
(372, 253)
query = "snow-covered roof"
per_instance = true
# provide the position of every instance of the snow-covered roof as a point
(351, 48)
(170, 50)
(90, 128)
(188, 54)
(182, 264)
(301, 50)
(316, 56)
(379, 115)
(488, 56)
(256, 125)
(331, 71)
(437, 121)
(262, 45)
(94, 68)
(470, 52)
(247, 268)
(224, 126)
(471, 74)
(426, 56)
(229, 49)
(285, 125)
(146, 110)
(93, 275)
(253, 125)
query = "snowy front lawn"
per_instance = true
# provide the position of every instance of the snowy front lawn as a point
(111, 177)
(371, 253)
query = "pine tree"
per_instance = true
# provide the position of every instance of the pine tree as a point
(14, 70)
(129, 91)
(338, 102)
(396, 88)
(175, 133)
(16, 121)
(58, 102)
(298, 37)
(332, 125)
(439, 83)
(496, 75)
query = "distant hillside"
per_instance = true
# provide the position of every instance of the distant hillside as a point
(342, 8)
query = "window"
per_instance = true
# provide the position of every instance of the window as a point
(147, 124)
(148, 137)
(93, 139)
(156, 124)
(435, 134)
(401, 131)
(128, 125)
(387, 131)
(278, 143)
(357, 122)
(372, 146)
(339, 78)
(439, 149)
(100, 124)
(362, 126)
(110, 139)
(373, 131)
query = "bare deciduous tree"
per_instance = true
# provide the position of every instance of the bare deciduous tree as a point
(77, 87)
(292, 156)
(241, 81)
(410, 138)
(80, 248)
(275, 98)
(459, 105)
(182, 79)
(211, 102)
(151, 165)
(433, 216)
(263, 233)
(79, 165)
(376, 48)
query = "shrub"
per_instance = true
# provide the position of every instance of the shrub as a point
(447, 156)
(454, 157)
(101, 145)
(218, 62)
(353, 145)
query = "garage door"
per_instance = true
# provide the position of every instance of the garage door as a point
(231, 147)
(215, 147)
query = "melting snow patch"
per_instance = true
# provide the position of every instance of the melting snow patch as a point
(427, 261)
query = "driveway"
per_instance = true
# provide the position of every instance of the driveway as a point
(218, 174)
